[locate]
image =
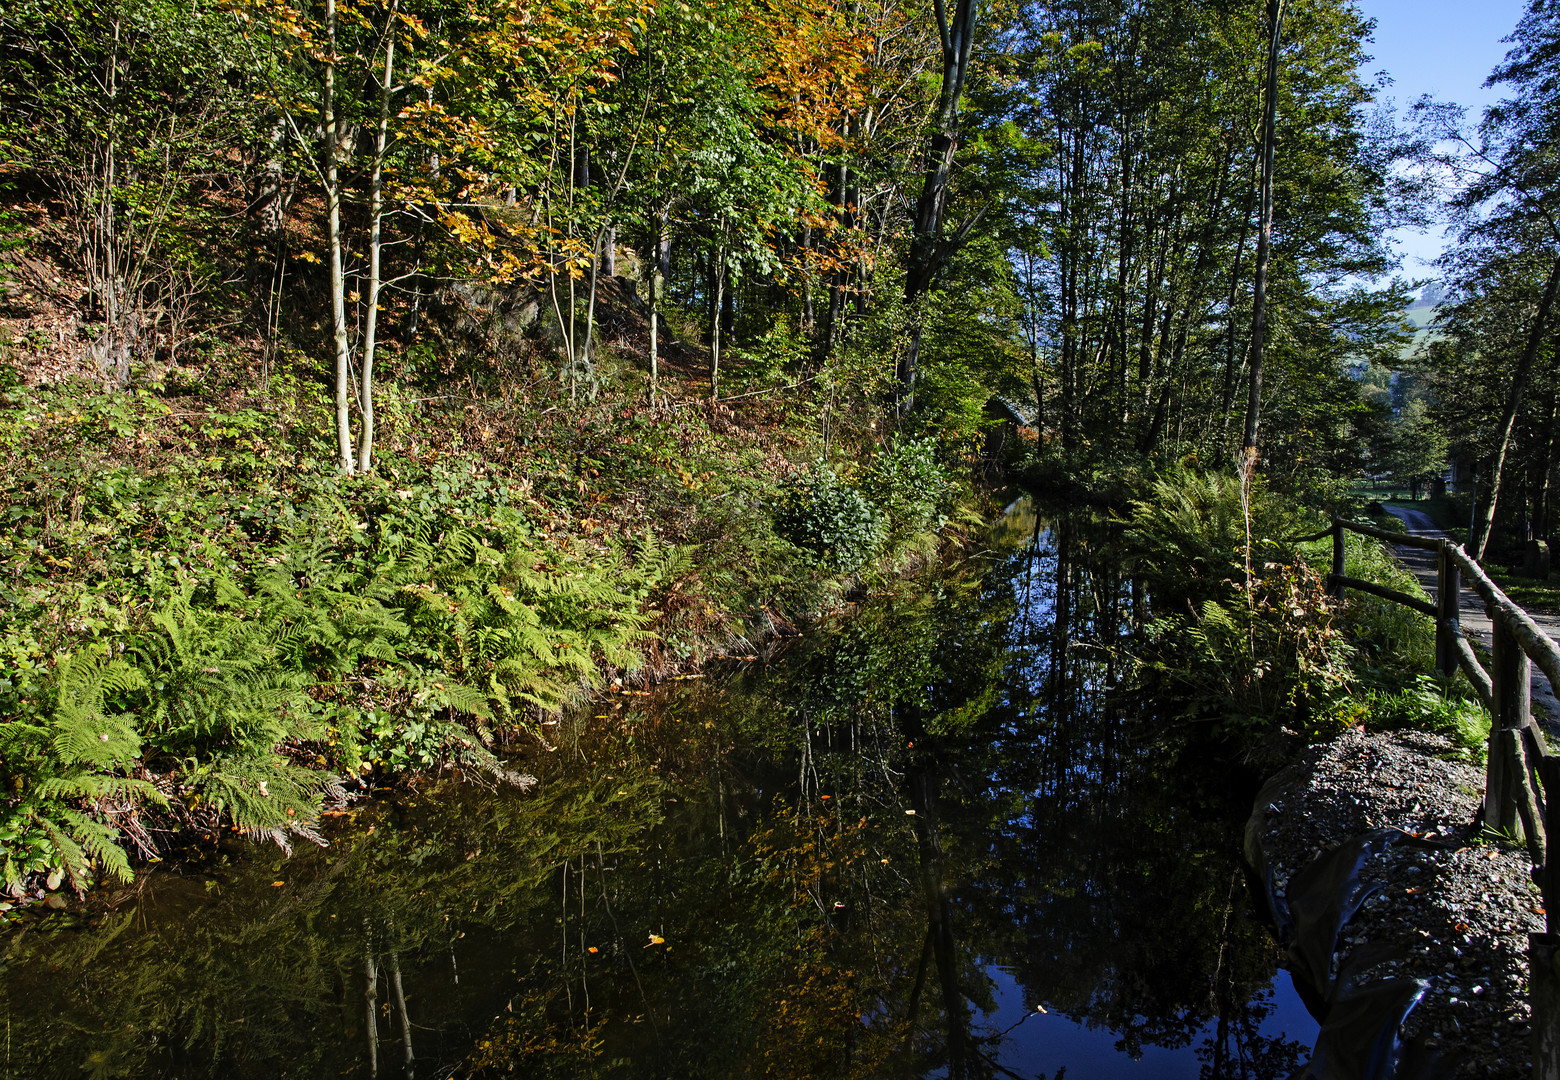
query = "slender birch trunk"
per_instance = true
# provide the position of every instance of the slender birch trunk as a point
(715, 320)
(332, 131)
(371, 1009)
(1264, 240)
(409, 1068)
(376, 212)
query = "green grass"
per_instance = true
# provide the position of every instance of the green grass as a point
(1529, 593)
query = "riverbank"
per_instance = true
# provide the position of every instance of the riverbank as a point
(207, 627)
(1454, 908)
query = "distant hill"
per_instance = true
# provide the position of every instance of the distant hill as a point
(1420, 313)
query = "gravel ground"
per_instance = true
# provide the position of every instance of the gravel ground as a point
(1455, 910)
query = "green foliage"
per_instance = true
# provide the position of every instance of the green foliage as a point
(1195, 532)
(822, 514)
(1427, 705)
(78, 753)
(1415, 453)
(363, 623)
(765, 360)
(909, 488)
(1394, 644)
(1244, 636)
(1270, 651)
(1265, 659)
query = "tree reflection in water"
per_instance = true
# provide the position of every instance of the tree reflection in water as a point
(873, 856)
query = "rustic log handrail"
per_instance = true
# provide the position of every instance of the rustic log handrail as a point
(1424, 607)
(1476, 673)
(1537, 644)
(1522, 781)
(1406, 539)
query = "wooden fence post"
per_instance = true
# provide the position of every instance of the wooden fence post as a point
(1337, 569)
(1543, 971)
(1544, 1000)
(1448, 583)
(1548, 878)
(1511, 675)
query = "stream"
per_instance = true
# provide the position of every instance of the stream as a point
(930, 838)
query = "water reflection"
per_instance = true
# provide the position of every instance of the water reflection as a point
(874, 856)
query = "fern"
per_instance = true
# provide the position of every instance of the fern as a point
(74, 763)
(411, 649)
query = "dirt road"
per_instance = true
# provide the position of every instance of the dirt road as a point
(1474, 619)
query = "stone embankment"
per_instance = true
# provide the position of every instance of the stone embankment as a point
(1454, 908)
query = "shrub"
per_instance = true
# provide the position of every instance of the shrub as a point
(1265, 658)
(1245, 635)
(909, 489)
(364, 624)
(1192, 529)
(823, 515)
(1395, 644)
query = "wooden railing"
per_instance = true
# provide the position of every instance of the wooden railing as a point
(1522, 777)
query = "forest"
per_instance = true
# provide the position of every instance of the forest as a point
(382, 376)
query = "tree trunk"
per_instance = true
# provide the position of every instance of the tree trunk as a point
(376, 213)
(718, 261)
(333, 134)
(1275, 10)
(1519, 381)
(590, 308)
(409, 1063)
(660, 268)
(1542, 482)
(809, 318)
(928, 252)
(371, 1009)
(1231, 372)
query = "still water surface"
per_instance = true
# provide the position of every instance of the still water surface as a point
(929, 839)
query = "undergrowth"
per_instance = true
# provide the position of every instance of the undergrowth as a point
(1246, 639)
(205, 627)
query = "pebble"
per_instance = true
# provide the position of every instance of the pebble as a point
(1472, 905)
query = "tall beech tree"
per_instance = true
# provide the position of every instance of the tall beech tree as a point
(1275, 29)
(1510, 212)
(929, 249)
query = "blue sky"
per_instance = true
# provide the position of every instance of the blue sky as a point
(1440, 47)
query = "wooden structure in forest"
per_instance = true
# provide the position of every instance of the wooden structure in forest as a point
(1522, 778)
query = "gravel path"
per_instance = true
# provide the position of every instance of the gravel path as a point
(1453, 910)
(1474, 618)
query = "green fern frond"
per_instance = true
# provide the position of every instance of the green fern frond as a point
(461, 698)
(99, 842)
